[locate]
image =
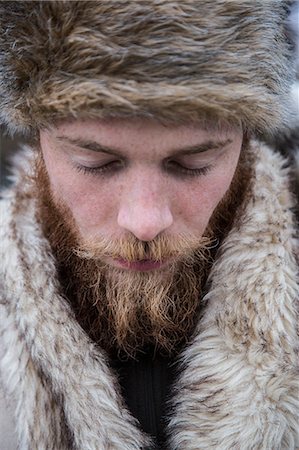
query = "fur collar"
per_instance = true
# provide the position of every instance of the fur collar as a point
(238, 387)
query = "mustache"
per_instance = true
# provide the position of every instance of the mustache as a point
(131, 249)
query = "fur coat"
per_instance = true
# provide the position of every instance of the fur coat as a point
(238, 382)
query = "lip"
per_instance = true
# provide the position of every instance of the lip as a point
(142, 266)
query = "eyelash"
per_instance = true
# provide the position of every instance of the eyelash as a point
(115, 166)
(182, 171)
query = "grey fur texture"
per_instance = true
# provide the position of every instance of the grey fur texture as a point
(173, 60)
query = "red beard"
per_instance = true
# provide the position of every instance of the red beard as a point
(127, 310)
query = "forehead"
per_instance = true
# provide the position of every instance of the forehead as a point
(140, 132)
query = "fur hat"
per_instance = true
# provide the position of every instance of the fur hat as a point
(174, 60)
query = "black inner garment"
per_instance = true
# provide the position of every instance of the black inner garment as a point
(146, 386)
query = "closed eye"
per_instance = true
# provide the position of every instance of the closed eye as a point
(176, 168)
(109, 167)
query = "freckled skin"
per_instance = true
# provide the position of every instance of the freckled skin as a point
(141, 198)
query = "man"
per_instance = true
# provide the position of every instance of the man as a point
(148, 280)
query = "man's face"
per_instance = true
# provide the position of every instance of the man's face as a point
(135, 200)
(138, 177)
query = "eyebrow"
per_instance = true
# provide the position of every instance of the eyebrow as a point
(189, 150)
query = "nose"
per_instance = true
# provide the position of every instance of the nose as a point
(144, 211)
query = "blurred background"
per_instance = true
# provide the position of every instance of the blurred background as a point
(9, 146)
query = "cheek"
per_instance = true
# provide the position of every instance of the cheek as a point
(91, 204)
(88, 207)
(197, 203)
